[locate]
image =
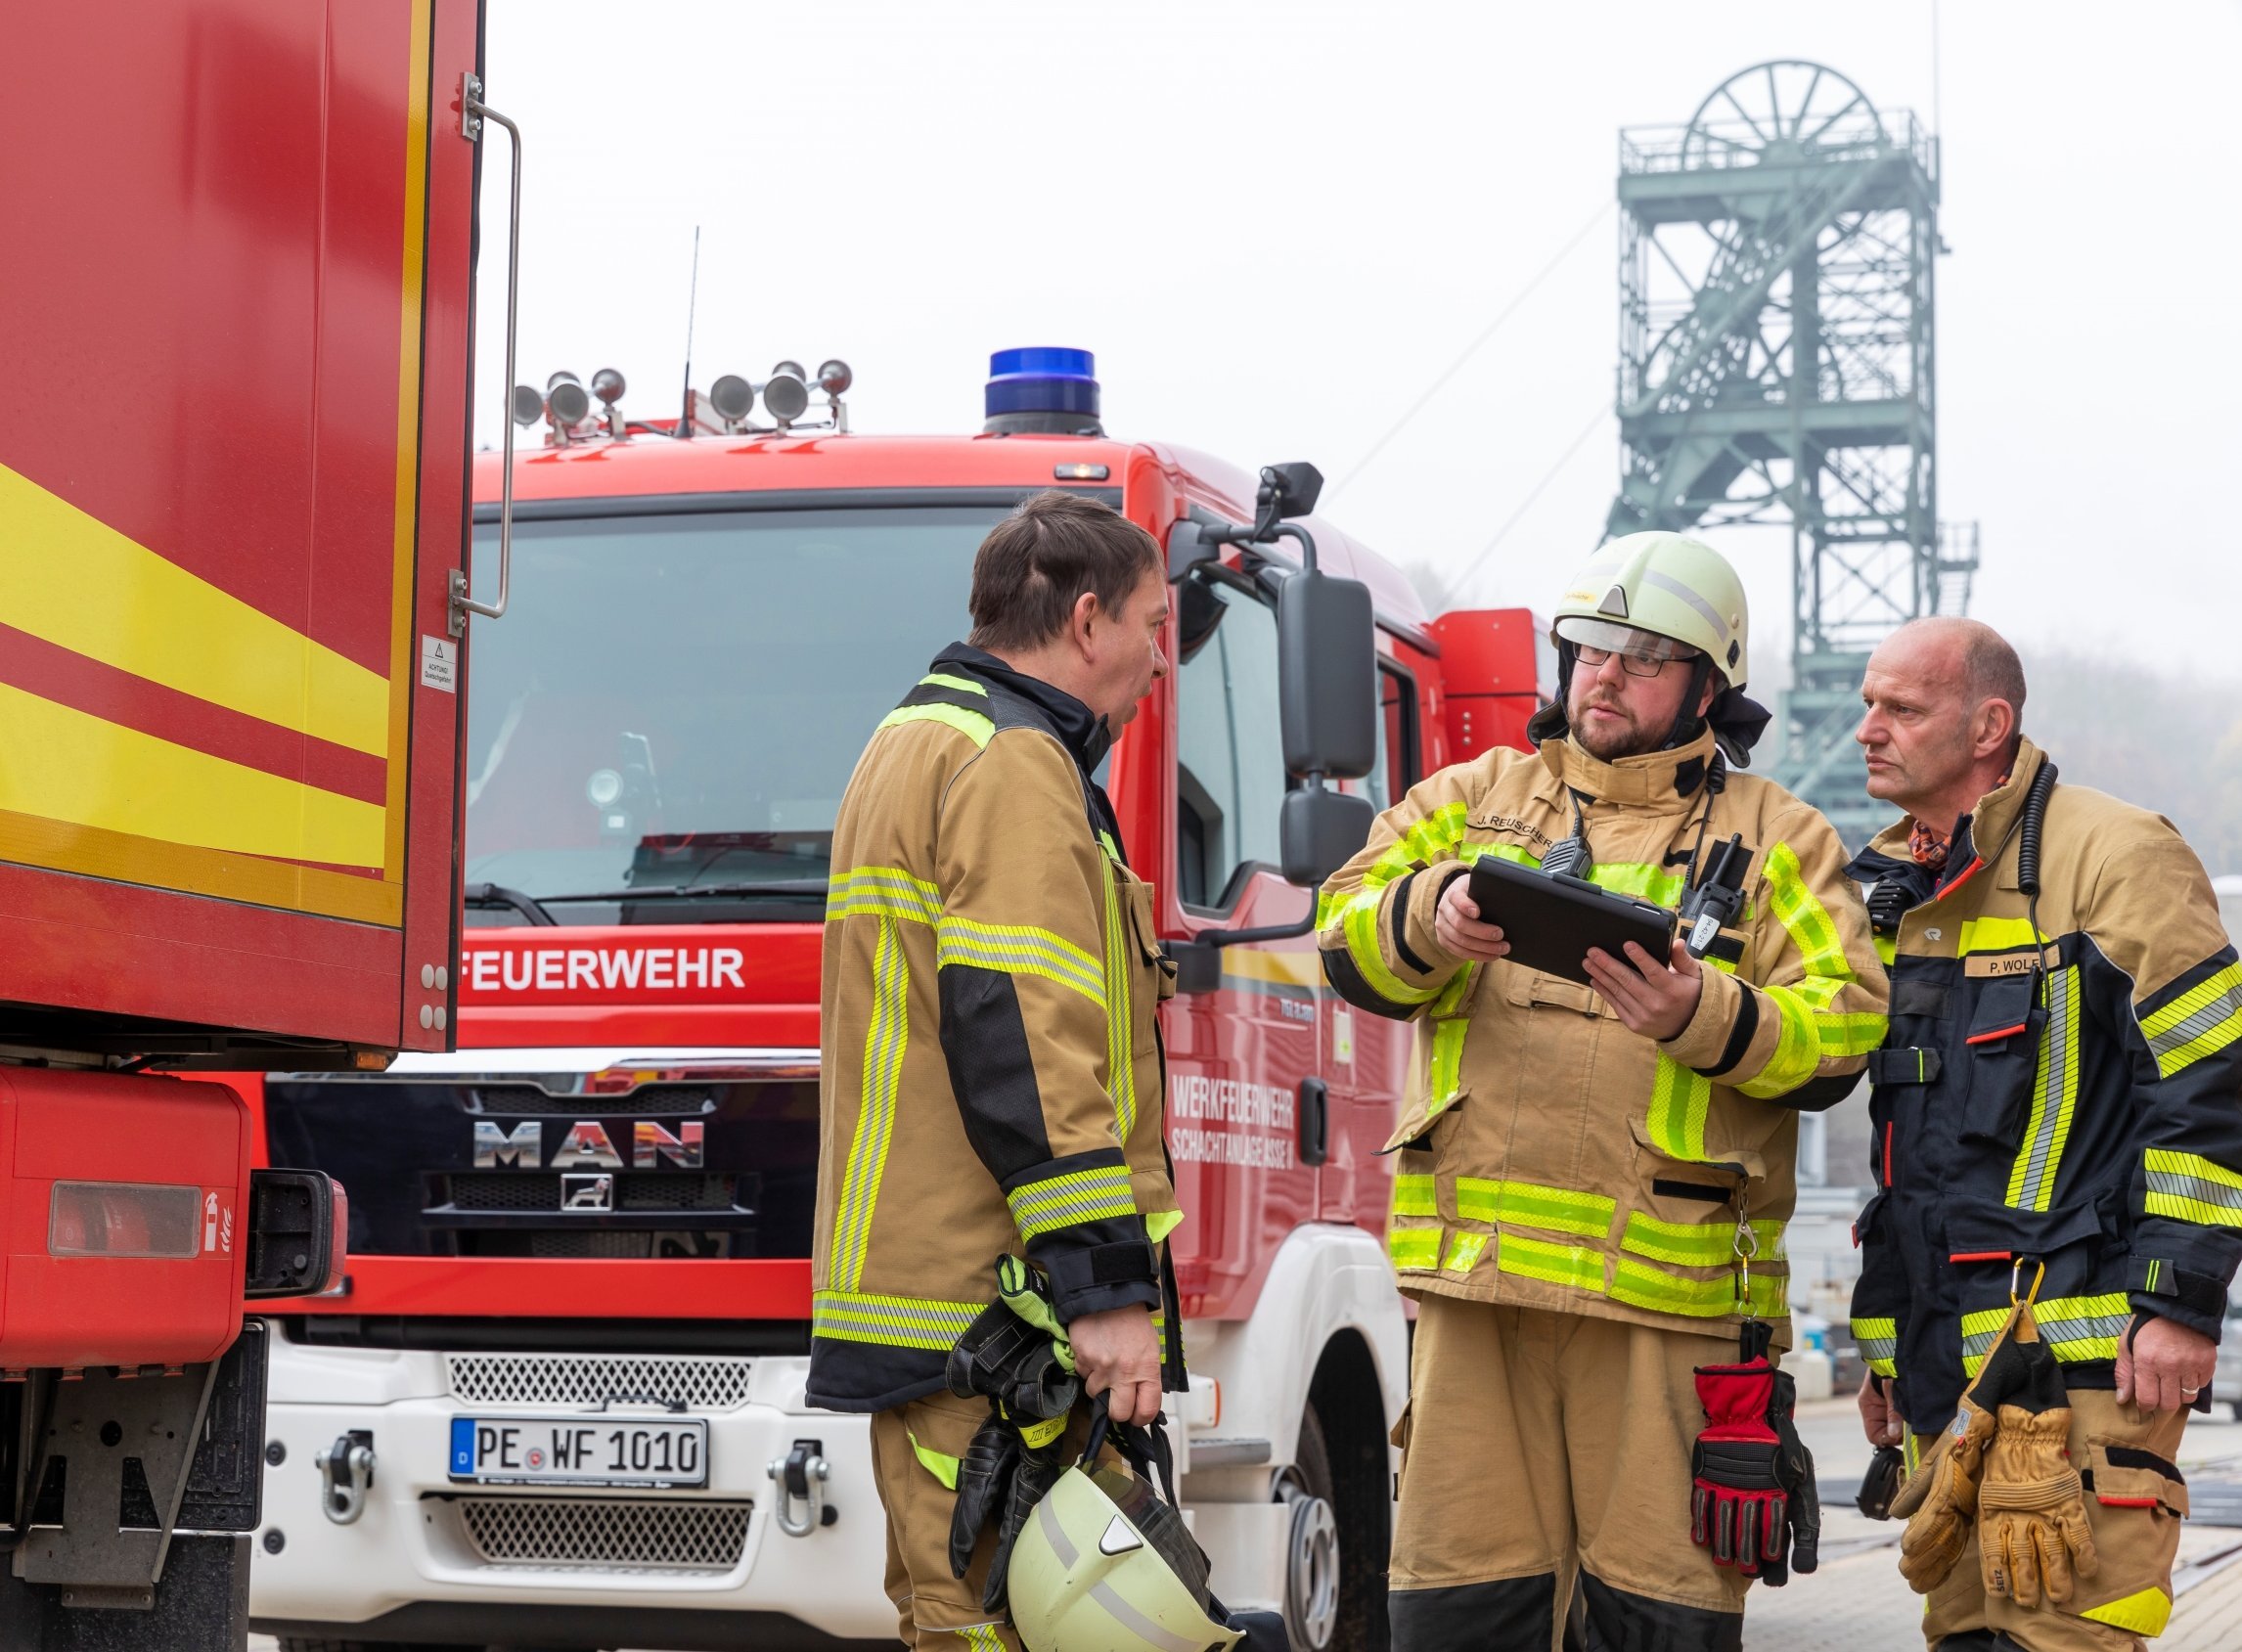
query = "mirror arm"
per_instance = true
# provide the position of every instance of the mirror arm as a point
(1293, 530)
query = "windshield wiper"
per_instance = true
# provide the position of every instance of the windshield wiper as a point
(498, 895)
(780, 887)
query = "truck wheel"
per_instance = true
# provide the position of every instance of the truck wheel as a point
(1343, 1456)
(1311, 1559)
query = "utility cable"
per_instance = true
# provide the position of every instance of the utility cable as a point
(1595, 423)
(1471, 349)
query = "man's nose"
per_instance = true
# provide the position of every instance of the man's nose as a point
(1159, 662)
(1612, 672)
(1871, 730)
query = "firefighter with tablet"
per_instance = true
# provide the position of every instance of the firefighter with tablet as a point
(1595, 1167)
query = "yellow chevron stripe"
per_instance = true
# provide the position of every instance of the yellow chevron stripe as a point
(65, 765)
(405, 536)
(77, 583)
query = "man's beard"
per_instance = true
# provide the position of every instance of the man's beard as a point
(1611, 742)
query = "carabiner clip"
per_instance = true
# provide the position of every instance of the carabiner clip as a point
(2015, 1274)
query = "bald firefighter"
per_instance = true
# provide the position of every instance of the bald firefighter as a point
(2058, 1160)
(1591, 1182)
(991, 1080)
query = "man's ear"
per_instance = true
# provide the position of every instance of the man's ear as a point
(1079, 622)
(1996, 727)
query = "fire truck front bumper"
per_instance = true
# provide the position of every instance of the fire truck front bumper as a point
(565, 1499)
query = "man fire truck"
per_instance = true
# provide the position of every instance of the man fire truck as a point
(560, 1400)
(229, 718)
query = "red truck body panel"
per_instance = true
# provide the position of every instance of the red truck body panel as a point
(225, 799)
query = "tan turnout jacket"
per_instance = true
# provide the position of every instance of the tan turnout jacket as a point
(991, 1076)
(1548, 1157)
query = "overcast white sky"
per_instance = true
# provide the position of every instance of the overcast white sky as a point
(1276, 224)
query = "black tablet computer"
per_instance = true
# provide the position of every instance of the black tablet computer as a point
(1551, 922)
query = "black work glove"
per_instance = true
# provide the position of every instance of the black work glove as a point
(1032, 1476)
(984, 1482)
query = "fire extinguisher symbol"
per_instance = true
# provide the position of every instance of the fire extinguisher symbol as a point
(210, 1222)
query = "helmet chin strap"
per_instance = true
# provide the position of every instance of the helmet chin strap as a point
(1688, 724)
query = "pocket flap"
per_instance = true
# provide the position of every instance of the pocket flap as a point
(1977, 1228)
(2126, 1476)
(2004, 1009)
(1534, 987)
(1865, 1223)
(1419, 1118)
(1727, 1167)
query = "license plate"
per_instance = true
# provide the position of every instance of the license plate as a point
(576, 1452)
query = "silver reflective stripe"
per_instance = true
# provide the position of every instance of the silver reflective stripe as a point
(1054, 1534)
(1673, 587)
(2195, 1187)
(2220, 1010)
(1137, 1624)
(1878, 1347)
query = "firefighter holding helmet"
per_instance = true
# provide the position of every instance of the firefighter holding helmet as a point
(1593, 1177)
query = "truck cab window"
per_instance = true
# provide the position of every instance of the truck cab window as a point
(1230, 780)
(1396, 768)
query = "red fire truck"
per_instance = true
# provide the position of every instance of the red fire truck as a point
(240, 237)
(560, 1400)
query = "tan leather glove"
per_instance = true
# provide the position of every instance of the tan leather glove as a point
(1940, 1498)
(2033, 1534)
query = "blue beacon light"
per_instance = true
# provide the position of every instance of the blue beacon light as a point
(1044, 390)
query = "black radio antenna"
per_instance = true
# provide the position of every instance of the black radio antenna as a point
(692, 297)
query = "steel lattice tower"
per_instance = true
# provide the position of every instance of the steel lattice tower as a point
(1777, 365)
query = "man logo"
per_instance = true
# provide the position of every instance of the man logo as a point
(587, 1145)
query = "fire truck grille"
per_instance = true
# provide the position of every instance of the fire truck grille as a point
(606, 1532)
(699, 1382)
(651, 1101)
(500, 1190)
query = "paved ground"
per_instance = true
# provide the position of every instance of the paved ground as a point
(1857, 1602)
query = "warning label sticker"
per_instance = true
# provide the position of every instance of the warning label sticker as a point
(439, 664)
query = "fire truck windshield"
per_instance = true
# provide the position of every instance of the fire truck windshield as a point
(674, 702)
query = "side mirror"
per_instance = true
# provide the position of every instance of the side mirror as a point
(1319, 832)
(1327, 676)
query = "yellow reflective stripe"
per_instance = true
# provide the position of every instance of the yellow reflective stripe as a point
(1413, 1197)
(1642, 1285)
(2189, 1187)
(2083, 1328)
(1798, 1047)
(2145, 1611)
(2054, 1094)
(886, 1038)
(1851, 1035)
(1037, 1435)
(1531, 1205)
(882, 892)
(1887, 948)
(1998, 935)
(1098, 1194)
(1643, 881)
(71, 579)
(1464, 1252)
(1433, 837)
(58, 763)
(1803, 916)
(1694, 1244)
(1678, 1099)
(1979, 1330)
(972, 724)
(943, 680)
(1363, 920)
(1445, 1066)
(1413, 1247)
(1159, 1224)
(939, 1464)
(1770, 1295)
(1878, 1341)
(1120, 1008)
(1019, 949)
(1576, 1266)
(2202, 1021)
(892, 1322)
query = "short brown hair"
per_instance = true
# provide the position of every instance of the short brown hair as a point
(1038, 561)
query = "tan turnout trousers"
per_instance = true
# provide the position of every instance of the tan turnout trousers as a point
(1543, 1445)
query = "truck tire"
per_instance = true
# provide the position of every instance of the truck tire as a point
(1342, 1457)
(1314, 1559)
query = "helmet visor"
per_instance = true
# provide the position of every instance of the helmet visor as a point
(1633, 646)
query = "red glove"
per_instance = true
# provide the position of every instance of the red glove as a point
(1752, 1502)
